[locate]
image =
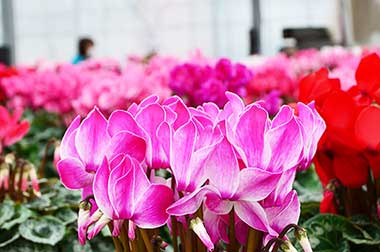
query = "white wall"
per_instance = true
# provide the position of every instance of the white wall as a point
(48, 29)
(280, 14)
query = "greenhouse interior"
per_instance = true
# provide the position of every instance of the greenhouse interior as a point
(189, 126)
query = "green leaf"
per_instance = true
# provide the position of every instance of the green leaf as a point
(21, 214)
(39, 203)
(22, 245)
(308, 186)
(19, 245)
(66, 215)
(45, 230)
(326, 231)
(308, 210)
(367, 232)
(6, 211)
(71, 243)
(101, 243)
(64, 198)
(106, 232)
(8, 236)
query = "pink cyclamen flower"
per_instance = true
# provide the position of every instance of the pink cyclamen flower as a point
(261, 157)
(84, 146)
(123, 192)
(312, 128)
(241, 190)
(190, 147)
(11, 130)
(148, 120)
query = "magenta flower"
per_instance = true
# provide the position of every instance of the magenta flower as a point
(123, 192)
(284, 144)
(148, 120)
(271, 102)
(282, 212)
(241, 190)
(261, 157)
(233, 162)
(190, 147)
(313, 127)
(84, 146)
(201, 83)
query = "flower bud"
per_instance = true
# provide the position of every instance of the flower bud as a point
(17, 179)
(4, 176)
(117, 226)
(24, 181)
(33, 178)
(83, 223)
(96, 216)
(199, 229)
(84, 220)
(10, 159)
(131, 230)
(301, 236)
(57, 157)
(99, 225)
(287, 246)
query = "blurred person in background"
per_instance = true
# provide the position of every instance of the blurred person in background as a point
(85, 48)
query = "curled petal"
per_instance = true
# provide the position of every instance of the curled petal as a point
(182, 148)
(99, 225)
(312, 129)
(256, 184)
(91, 139)
(286, 213)
(286, 145)
(190, 203)
(100, 189)
(150, 211)
(67, 147)
(217, 205)
(125, 142)
(150, 118)
(221, 161)
(253, 214)
(73, 174)
(121, 120)
(249, 136)
(215, 226)
(152, 99)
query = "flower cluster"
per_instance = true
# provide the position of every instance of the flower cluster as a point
(274, 73)
(74, 89)
(349, 151)
(282, 73)
(4, 73)
(227, 172)
(199, 83)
